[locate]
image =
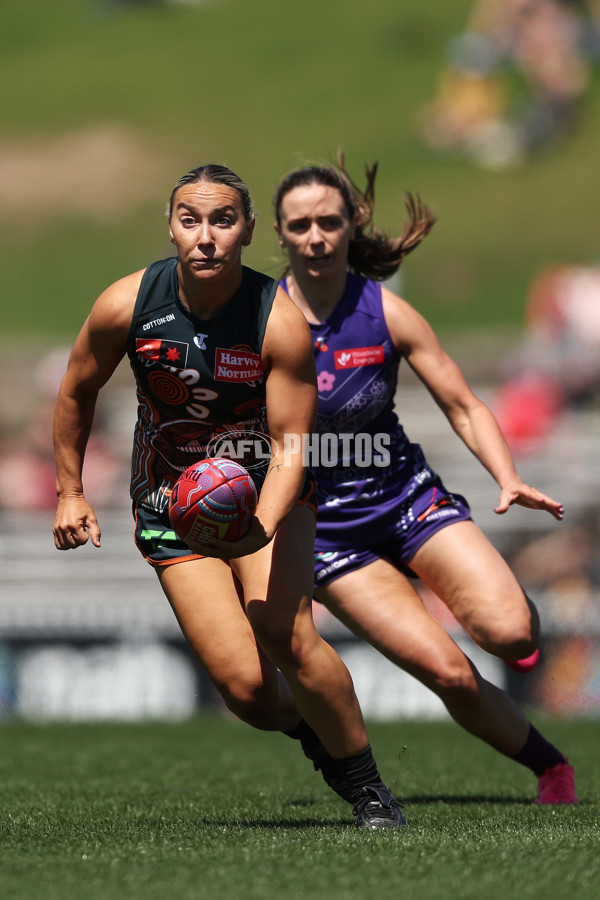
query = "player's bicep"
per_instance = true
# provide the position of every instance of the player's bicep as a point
(102, 341)
(417, 342)
(291, 386)
(446, 384)
(291, 404)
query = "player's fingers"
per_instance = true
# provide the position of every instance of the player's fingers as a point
(61, 540)
(534, 499)
(530, 498)
(203, 549)
(71, 536)
(553, 506)
(506, 498)
(78, 536)
(555, 509)
(93, 529)
(68, 538)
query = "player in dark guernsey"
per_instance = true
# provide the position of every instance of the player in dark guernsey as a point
(218, 349)
(198, 380)
(384, 514)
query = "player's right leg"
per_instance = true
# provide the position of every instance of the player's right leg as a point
(204, 598)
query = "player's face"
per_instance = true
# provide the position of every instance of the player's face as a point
(315, 230)
(209, 230)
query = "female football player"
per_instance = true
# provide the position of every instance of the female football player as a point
(244, 606)
(384, 515)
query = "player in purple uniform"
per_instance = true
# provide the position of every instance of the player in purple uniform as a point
(384, 515)
(244, 606)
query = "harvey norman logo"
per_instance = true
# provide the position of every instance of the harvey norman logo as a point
(237, 365)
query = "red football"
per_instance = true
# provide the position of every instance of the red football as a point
(213, 498)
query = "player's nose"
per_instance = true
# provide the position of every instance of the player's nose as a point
(205, 235)
(315, 234)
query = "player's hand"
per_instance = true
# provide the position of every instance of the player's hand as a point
(529, 497)
(74, 524)
(254, 539)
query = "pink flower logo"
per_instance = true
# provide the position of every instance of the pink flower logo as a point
(325, 381)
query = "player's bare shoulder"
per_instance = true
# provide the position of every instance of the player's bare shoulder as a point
(287, 330)
(113, 310)
(407, 327)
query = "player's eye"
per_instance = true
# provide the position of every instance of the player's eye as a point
(331, 223)
(298, 226)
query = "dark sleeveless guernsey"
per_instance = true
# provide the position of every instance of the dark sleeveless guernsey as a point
(196, 379)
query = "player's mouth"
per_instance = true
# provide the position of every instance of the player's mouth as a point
(205, 263)
(319, 261)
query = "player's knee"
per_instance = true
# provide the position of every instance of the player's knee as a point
(285, 641)
(286, 651)
(455, 679)
(513, 634)
(517, 638)
(255, 704)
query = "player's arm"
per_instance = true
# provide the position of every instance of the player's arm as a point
(470, 418)
(291, 408)
(291, 395)
(98, 349)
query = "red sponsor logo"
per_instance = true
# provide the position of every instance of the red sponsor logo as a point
(358, 356)
(237, 365)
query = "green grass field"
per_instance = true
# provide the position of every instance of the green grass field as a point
(210, 808)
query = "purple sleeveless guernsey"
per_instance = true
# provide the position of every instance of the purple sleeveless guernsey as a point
(374, 485)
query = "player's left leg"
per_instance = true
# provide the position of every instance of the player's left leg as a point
(465, 570)
(277, 585)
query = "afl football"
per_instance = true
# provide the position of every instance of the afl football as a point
(213, 498)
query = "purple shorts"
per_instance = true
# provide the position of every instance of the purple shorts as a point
(430, 510)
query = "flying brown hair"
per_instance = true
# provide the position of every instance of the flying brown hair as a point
(372, 252)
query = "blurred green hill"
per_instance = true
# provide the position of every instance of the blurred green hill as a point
(106, 103)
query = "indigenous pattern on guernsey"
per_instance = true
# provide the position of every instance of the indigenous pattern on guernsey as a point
(196, 380)
(366, 498)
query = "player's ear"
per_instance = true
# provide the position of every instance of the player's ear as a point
(247, 239)
(278, 232)
(171, 238)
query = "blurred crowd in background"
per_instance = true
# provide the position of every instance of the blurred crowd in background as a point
(514, 81)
